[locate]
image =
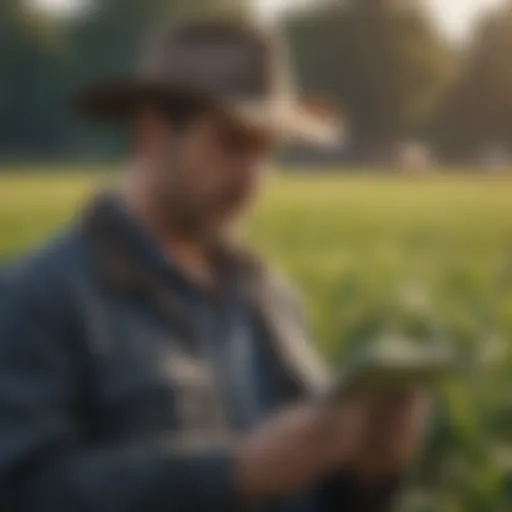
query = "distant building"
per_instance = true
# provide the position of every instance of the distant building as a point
(414, 156)
(494, 157)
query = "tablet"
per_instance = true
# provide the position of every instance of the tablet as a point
(395, 364)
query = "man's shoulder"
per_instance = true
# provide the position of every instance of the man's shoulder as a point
(46, 272)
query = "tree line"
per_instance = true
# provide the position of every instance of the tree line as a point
(383, 63)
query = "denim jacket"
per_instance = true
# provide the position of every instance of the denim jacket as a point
(107, 403)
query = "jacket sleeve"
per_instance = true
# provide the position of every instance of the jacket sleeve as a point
(45, 464)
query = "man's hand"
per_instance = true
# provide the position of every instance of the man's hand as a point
(297, 448)
(393, 429)
(374, 439)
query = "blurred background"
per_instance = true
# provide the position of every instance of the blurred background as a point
(409, 219)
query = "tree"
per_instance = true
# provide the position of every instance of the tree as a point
(478, 112)
(44, 60)
(31, 63)
(381, 60)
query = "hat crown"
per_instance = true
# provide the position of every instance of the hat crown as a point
(235, 60)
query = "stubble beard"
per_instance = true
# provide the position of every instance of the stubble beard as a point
(208, 224)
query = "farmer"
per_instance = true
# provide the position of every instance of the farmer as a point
(147, 361)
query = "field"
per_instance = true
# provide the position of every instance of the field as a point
(431, 256)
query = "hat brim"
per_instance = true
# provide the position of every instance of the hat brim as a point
(309, 122)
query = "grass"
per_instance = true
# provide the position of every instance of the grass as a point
(356, 245)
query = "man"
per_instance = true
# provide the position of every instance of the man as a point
(149, 364)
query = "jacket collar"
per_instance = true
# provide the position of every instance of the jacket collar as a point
(125, 267)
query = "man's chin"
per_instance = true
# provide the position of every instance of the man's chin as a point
(222, 230)
(203, 229)
(214, 224)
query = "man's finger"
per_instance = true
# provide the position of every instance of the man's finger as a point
(393, 431)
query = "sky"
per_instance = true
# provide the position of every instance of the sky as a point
(455, 16)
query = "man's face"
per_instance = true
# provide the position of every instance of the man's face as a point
(207, 172)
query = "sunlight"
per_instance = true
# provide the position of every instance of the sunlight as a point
(455, 16)
(60, 7)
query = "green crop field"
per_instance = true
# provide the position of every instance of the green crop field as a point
(431, 254)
